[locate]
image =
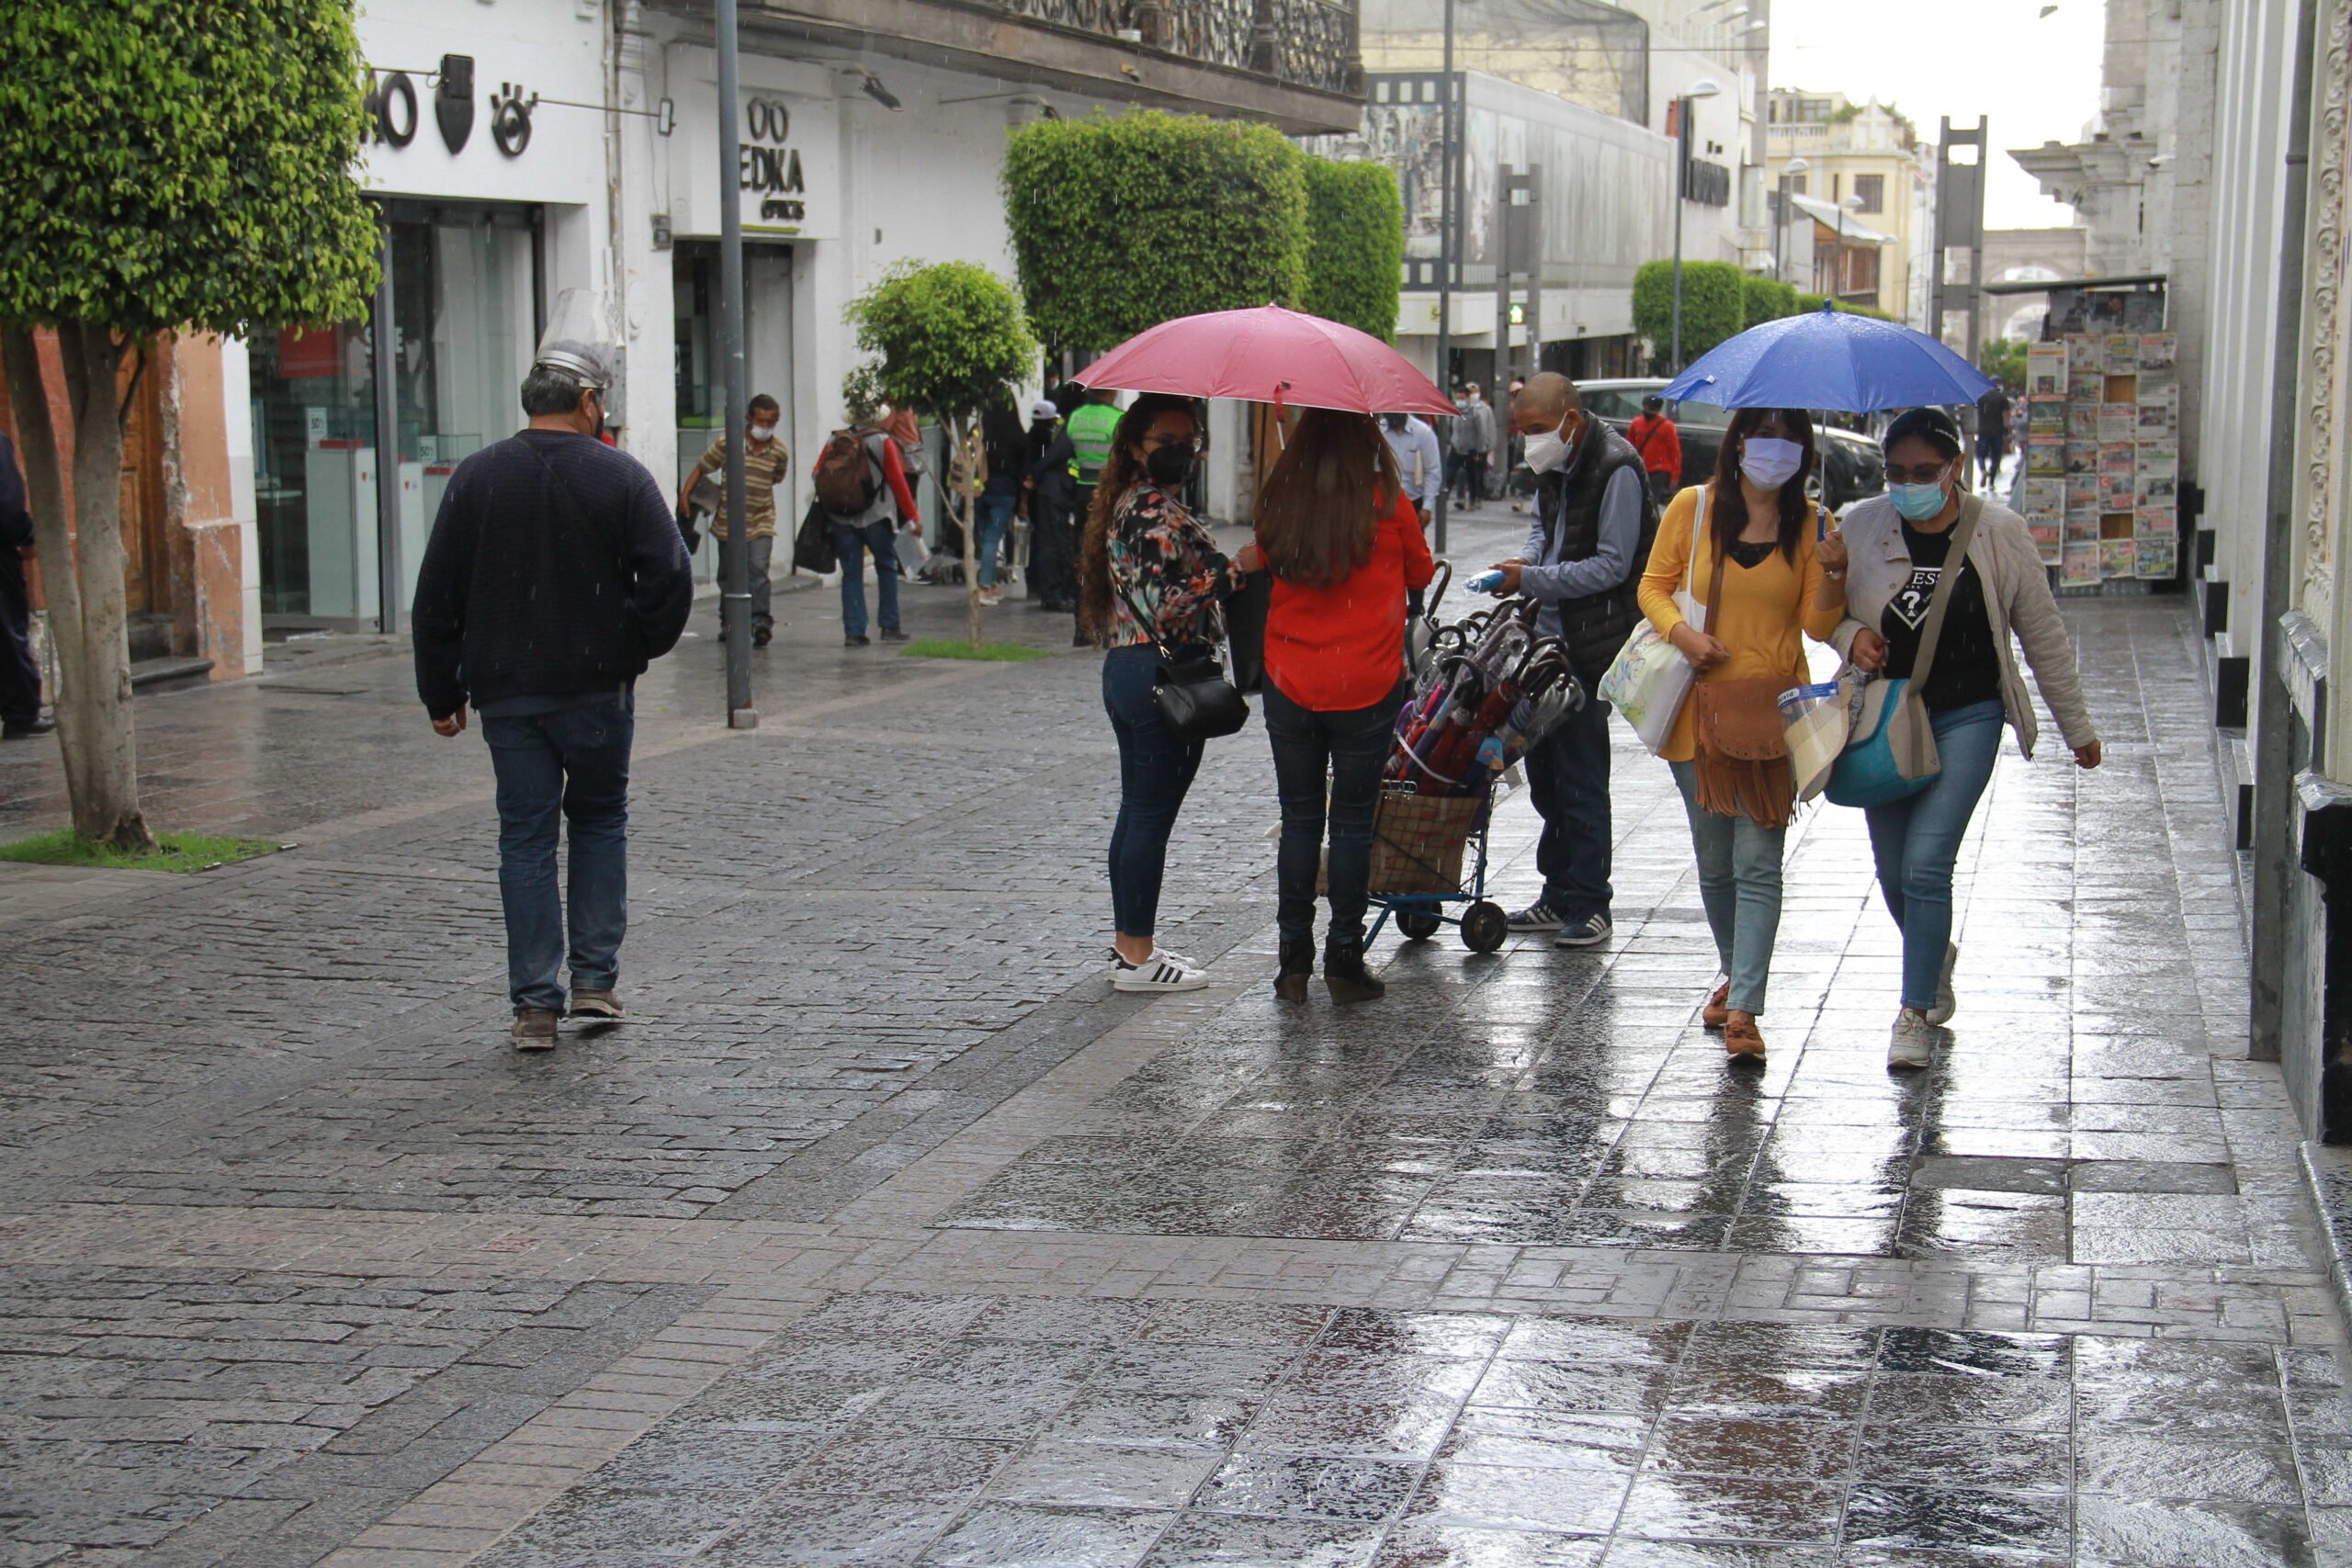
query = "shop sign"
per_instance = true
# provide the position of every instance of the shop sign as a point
(775, 192)
(391, 107)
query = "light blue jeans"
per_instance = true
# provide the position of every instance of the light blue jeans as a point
(995, 514)
(1740, 881)
(1916, 840)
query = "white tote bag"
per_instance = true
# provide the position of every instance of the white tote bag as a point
(1649, 680)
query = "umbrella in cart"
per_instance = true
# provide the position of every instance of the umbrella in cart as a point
(1829, 360)
(1268, 356)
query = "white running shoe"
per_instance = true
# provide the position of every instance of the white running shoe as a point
(1947, 1003)
(1907, 1047)
(1162, 972)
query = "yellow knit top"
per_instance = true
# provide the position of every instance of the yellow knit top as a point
(1764, 607)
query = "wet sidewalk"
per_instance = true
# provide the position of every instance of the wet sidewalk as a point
(886, 1233)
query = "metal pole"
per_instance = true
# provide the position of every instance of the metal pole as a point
(1682, 172)
(735, 602)
(1445, 263)
(388, 446)
(1780, 230)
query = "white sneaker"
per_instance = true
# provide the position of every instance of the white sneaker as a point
(1907, 1047)
(1162, 972)
(1947, 1003)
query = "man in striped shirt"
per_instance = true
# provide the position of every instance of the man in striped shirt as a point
(764, 460)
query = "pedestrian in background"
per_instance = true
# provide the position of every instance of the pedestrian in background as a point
(20, 715)
(1474, 439)
(1659, 441)
(1592, 526)
(1992, 433)
(1337, 530)
(1005, 460)
(1413, 446)
(861, 484)
(1051, 495)
(766, 464)
(1764, 585)
(553, 576)
(1900, 546)
(1148, 576)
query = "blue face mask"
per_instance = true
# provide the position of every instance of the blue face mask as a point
(1916, 503)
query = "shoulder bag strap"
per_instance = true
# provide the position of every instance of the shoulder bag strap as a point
(571, 509)
(1698, 533)
(1715, 591)
(1955, 558)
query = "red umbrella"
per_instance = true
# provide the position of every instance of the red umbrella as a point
(1268, 356)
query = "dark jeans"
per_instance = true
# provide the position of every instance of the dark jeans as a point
(1661, 487)
(1474, 478)
(850, 543)
(1345, 750)
(1155, 770)
(575, 760)
(1568, 774)
(19, 676)
(1052, 555)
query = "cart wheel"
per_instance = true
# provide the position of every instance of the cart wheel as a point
(1485, 927)
(1418, 925)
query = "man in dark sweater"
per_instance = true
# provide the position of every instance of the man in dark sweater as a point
(1582, 564)
(555, 574)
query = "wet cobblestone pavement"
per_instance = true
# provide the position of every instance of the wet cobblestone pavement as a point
(885, 1233)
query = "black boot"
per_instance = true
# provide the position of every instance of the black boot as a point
(1295, 967)
(1345, 972)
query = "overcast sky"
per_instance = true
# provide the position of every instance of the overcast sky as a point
(2035, 80)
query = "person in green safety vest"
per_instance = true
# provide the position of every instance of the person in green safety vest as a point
(1090, 427)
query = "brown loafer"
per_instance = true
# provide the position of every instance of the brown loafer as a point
(602, 1007)
(534, 1029)
(1717, 1013)
(1740, 1036)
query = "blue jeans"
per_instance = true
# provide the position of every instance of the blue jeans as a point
(1346, 750)
(1568, 774)
(850, 544)
(994, 514)
(1155, 770)
(1916, 840)
(574, 761)
(1739, 882)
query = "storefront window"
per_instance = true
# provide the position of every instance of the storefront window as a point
(464, 310)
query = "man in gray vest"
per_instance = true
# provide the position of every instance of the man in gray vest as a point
(1594, 520)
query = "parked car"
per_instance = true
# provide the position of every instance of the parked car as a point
(1851, 465)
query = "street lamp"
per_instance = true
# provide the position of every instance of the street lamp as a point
(1706, 87)
(1781, 218)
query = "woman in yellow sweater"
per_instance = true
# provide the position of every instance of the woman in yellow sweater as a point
(1780, 572)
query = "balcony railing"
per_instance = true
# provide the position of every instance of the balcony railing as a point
(1301, 43)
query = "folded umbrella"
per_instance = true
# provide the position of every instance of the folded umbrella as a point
(1829, 360)
(1268, 356)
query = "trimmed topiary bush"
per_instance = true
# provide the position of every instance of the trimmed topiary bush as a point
(1711, 305)
(1355, 244)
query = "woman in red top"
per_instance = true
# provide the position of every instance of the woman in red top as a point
(1338, 532)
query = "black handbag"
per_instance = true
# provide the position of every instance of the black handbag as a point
(1245, 630)
(1195, 699)
(813, 548)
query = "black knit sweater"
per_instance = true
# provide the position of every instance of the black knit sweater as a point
(525, 591)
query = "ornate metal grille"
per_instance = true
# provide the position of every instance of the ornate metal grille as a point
(1305, 44)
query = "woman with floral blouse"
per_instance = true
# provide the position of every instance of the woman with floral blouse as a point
(1144, 554)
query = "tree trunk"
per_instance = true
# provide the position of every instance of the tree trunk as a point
(968, 469)
(82, 573)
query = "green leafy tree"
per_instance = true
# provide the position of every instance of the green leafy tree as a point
(946, 337)
(1121, 224)
(2004, 360)
(1711, 306)
(1355, 244)
(1765, 299)
(172, 167)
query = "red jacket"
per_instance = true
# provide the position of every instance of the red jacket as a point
(1660, 445)
(1337, 648)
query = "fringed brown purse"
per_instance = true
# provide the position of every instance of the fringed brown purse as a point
(1743, 760)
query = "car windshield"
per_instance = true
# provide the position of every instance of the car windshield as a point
(1705, 414)
(1611, 402)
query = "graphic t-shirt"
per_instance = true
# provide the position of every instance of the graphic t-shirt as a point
(1968, 667)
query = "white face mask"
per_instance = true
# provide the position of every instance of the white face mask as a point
(1770, 463)
(763, 432)
(1548, 450)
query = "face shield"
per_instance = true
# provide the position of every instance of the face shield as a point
(580, 340)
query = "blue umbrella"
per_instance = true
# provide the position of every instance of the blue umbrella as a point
(1830, 359)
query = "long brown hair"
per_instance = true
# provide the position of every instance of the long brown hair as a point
(1731, 501)
(1122, 471)
(1320, 507)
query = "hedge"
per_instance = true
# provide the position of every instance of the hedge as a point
(1765, 299)
(1711, 305)
(1355, 244)
(1121, 223)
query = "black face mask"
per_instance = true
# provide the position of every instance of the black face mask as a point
(1170, 466)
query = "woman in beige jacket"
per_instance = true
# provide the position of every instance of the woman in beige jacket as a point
(1897, 549)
